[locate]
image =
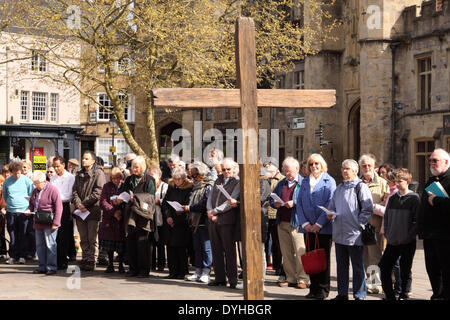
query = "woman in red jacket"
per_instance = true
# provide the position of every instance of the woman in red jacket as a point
(111, 234)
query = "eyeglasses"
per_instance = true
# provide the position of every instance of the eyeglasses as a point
(434, 160)
(226, 169)
(314, 163)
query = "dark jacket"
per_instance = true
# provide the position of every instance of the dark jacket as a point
(218, 203)
(400, 218)
(87, 190)
(197, 203)
(434, 221)
(110, 228)
(179, 235)
(265, 190)
(145, 185)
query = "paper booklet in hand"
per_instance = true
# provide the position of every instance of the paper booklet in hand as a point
(176, 205)
(124, 196)
(82, 215)
(328, 211)
(225, 193)
(276, 198)
(437, 189)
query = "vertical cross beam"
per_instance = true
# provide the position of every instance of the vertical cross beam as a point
(249, 171)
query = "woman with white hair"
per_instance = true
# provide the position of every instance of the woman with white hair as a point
(177, 232)
(353, 206)
(198, 221)
(45, 201)
(138, 228)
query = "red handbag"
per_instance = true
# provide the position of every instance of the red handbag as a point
(314, 261)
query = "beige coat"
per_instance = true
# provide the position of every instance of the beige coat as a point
(272, 213)
(379, 189)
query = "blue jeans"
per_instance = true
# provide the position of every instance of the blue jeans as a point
(355, 254)
(16, 225)
(202, 248)
(46, 249)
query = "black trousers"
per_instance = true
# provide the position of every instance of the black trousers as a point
(158, 253)
(3, 247)
(437, 263)
(64, 237)
(223, 252)
(391, 253)
(320, 282)
(138, 249)
(30, 237)
(276, 251)
(177, 260)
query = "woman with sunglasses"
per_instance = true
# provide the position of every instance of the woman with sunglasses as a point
(316, 189)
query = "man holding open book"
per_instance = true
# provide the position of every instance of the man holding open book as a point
(434, 224)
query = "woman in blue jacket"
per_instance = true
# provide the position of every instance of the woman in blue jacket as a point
(353, 207)
(317, 189)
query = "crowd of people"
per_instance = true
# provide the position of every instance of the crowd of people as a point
(178, 214)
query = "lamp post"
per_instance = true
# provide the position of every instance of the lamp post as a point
(112, 124)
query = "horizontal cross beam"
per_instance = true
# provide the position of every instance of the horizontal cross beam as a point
(223, 98)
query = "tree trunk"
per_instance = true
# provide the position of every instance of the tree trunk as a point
(153, 143)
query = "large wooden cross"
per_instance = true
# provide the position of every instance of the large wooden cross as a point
(248, 98)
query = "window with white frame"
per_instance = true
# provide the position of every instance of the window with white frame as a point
(103, 144)
(38, 61)
(24, 101)
(39, 106)
(299, 79)
(54, 102)
(127, 102)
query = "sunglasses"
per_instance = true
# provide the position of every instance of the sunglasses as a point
(434, 160)
(226, 169)
(314, 163)
(194, 175)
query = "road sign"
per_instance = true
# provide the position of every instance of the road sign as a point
(112, 149)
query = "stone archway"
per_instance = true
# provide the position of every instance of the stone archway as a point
(164, 133)
(354, 128)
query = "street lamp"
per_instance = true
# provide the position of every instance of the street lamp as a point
(113, 124)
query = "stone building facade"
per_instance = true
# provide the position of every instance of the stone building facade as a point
(389, 66)
(38, 116)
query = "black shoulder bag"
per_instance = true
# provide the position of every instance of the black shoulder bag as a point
(43, 216)
(368, 233)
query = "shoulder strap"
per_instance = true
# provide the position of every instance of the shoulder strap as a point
(358, 188)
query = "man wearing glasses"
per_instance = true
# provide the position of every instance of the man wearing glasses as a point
(223, 215)
(434, 227)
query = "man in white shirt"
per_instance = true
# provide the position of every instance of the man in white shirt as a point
(63, 181)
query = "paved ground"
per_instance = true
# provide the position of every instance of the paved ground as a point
(18, 282)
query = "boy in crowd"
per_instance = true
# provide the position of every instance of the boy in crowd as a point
(400, 230)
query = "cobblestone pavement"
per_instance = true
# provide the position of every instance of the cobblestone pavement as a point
(18, 282)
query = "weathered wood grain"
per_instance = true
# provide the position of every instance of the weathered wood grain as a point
(222, 98)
